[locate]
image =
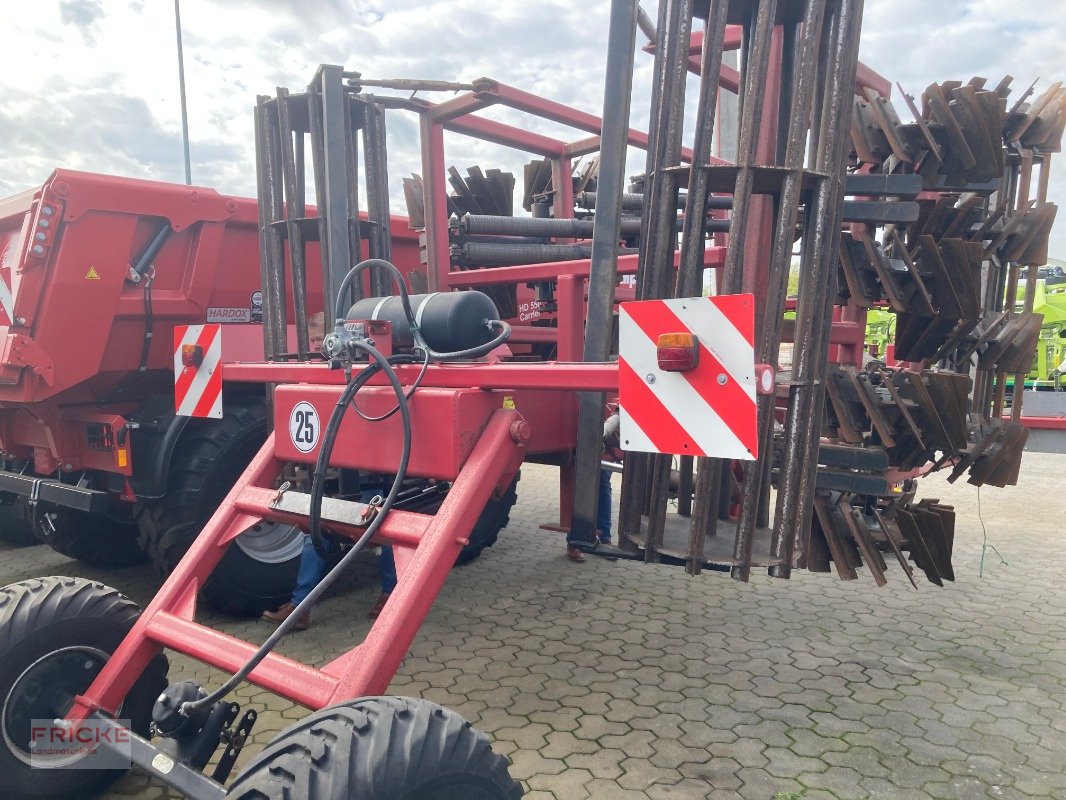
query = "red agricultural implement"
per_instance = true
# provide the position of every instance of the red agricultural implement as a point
(780, 465)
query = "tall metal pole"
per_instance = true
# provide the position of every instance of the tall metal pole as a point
(603, 276)
(181, 86)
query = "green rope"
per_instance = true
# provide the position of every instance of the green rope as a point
(985, 546)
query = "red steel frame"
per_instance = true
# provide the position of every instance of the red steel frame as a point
(426, 546)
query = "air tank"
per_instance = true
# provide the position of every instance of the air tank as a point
(449, 321)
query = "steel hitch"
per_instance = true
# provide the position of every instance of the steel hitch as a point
(192, 737)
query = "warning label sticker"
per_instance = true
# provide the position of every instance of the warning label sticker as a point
(304, 427)
(229, 315)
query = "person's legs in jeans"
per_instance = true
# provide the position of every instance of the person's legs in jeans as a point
(387, 571)
(603, 517)
(312, 570)
(387, 568)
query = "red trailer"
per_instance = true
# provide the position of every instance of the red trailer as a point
(97, 272)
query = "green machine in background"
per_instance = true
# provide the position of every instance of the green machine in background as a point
(1050, 301)
(1051, 347)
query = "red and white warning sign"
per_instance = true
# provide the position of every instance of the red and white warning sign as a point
(7, 303)
(198, 370)
(703, 403)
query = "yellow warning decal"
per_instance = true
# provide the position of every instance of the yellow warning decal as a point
(508, 402)
(92, 274)
(123, 459)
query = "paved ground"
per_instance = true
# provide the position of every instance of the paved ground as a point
(619, 680)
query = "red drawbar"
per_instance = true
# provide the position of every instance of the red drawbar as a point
(427, 549)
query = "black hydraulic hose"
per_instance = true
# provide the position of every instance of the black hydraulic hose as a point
(316, 514)
(481, 349)
(397, 277)
(341, 308)
(410, 392)
(380, 364)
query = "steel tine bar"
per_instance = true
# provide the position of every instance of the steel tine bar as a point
(301, 171)
(691, 266)
(660, 494)
(351, 168)
(274, 288)
(684, 486)
(603, 272)
(293, 212)
(799, 114)
(788, 494)
(661, 238)
(828, 201)
(751, 109)
(690, 269)
(738, 273)
(376, 165)
(631, 502)
(318, 168)
(660, 70)
(262, 144)
(658, 247)
(705, 509)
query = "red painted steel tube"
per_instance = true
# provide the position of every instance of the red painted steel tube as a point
(435, 192)
(1043, 423)
(547, 375)
(627, 265)
(570, 295)
(499, 133)
(403, 528)
(369, 669)
(177, 595)
(868, 78)
(284, 676)
(865, 77)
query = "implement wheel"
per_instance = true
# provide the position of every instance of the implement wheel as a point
(15, 527)
(379, 748)
(258, 571)
(493, 519)
(55, 636)
(93, 539)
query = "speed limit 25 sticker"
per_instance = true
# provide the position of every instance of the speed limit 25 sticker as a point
(304, 426)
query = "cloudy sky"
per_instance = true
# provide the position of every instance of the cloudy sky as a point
(91, 84)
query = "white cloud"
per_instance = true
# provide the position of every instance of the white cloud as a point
(93, 85)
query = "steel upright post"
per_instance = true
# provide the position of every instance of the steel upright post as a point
(603, 276)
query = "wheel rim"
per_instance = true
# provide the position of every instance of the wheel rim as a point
(271, 542)
(46, 690)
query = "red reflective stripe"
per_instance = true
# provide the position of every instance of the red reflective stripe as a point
(184, 379)
(730, 402)
(737, 308)
(651, 415)
(211, 392)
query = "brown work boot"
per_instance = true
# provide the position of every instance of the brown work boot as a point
(282, 613)
(575, 554)
(378, 607)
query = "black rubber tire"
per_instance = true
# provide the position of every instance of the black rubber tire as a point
(93, 539)
(379, 748)
(493, 519)
(15, 527)
(41, 616)
(207, 461)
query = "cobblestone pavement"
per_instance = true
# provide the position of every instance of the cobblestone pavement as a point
(621, 680)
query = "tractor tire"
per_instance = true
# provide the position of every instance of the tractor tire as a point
(258, 571)
(93, 539)
(493, 519)
(57, 633)
(15, 527)
(379, 748)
